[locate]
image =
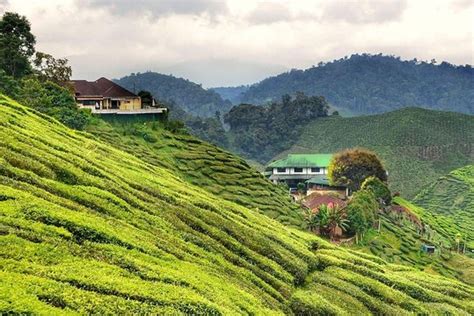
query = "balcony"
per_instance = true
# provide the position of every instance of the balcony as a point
(130, 112)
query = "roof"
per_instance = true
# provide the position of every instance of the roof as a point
(314, 201)
(101, 87)
(302, 160)
(319, 179)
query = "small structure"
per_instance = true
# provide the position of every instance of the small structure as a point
(310, 169)
(428, 248)
(104, 96)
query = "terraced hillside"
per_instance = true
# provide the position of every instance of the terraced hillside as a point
(400, 241)
(203, 165)
(417, 146)
(87, 228)
(450, 203)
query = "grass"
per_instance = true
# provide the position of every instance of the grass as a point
(88, 228)
(417, 146)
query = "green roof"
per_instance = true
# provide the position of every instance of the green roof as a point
(302, 160)
(319, 179)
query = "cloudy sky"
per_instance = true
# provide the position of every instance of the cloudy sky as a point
(222, 43)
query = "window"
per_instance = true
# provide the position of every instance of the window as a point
(88, 102)
(316, 170)
(281, 170)
(298, 170)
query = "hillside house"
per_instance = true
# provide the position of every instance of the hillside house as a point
(309, 169)
(103, 96)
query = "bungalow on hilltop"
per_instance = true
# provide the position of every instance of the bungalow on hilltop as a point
(103, 96)
(309, 169)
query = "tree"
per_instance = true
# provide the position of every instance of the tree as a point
(49, 68)
(17, 44)
(351, 167)
(378, 188)
(361, 212)
(147, 98)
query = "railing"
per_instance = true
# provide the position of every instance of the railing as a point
(130, 112)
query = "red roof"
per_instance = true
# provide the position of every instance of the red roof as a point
(102, 87)
(314, 201)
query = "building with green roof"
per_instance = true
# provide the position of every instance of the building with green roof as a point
(296, 168)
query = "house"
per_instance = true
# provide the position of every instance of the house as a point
(309, 169)
(103, 96)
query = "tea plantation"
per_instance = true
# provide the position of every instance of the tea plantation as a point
(416, 145)
(88, 228)
(450, 202)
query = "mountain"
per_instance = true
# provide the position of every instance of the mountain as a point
(233, 94)
(88, 228)
(416, 145)
(190, 96)
(450, 201)
(369, 84)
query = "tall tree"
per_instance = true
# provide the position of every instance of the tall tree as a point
(351, 167)
(53, 69)
(17, 44)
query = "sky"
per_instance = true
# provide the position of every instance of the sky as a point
(234, 42)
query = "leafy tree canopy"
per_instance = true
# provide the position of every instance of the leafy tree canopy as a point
(53, 69)
(262, 132)
(351, 167)
(17, 44)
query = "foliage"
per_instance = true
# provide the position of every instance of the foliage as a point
(16, 44)
(52, 69)
(368, 84)
(379, 189)
(147, 97)
(262, 132)
(351, 167)
(416, 146)
(88, 228)
(188, 95)
(361, 212)
(51, 99)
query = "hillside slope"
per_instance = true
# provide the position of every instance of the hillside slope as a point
(202, 164)
(87, 228)
(417, 146)
(368, 84)
(450, 201)
(186, 94)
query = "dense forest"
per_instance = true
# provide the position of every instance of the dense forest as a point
(260, 132)
(368, 84)
(188, 95)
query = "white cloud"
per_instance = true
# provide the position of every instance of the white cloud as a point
(247, 38)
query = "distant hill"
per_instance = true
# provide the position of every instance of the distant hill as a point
(233, 94)
(368, 84)
(450, 200)
(416, 145)
(188, 95)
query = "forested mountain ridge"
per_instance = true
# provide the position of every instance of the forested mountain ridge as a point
(88, 228)
(368, 84)
(187, 95)
(416, 145)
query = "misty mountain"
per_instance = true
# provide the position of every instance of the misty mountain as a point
(367, 84)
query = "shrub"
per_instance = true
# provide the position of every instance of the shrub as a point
(378, 188)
